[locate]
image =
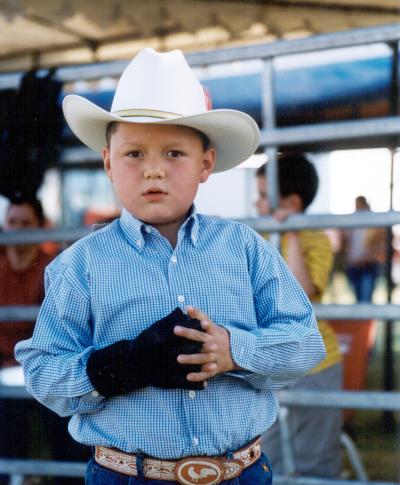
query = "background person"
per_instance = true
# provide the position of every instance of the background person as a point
(28, 429)
(315, 432)
(363, 254)
(364, 250)
(21, 274)
(21, 283)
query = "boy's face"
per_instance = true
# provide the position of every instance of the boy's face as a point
(156, 170)
(290, 204)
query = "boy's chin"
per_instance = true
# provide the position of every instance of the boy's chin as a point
(164, 221)
(160, 219)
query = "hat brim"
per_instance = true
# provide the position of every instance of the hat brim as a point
(234, 134)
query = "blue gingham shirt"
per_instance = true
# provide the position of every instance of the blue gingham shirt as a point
(116, 282)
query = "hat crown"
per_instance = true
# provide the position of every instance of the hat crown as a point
(160, 82)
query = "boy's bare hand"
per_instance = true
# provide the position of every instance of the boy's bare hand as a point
(215, 357)
(281, 214)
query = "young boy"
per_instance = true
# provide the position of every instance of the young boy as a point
(315, 432)
(163, 395)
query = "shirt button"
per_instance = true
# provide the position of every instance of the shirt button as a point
(192, 394)
(174, 259)
(181, 299)
(95, 394)
(147, 229)
(139, 242)
(195, 441)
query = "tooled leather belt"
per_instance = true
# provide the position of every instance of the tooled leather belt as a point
(192, 470)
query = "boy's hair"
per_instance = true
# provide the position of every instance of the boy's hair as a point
(296, 175)
(112, 128)
(33, 202)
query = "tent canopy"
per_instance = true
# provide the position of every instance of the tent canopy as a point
(54, 32)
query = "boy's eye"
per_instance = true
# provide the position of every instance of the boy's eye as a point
(134, 154)
(174, 154)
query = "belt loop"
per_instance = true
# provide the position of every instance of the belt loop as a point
(139, 467)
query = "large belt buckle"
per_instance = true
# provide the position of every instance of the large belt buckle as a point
(199, 471)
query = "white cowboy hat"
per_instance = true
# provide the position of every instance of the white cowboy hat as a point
(161, 88)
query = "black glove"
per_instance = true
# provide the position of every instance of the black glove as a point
(150, 359)
(158, 347)
(114, 370)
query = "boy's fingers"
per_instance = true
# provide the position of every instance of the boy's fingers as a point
(199, 376)
(191, 334)
(196, 358)
(210, 347)
(196, 313)
(206, 325)
(212, 368)
(204, 319)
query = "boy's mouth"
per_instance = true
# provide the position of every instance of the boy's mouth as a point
(154, 194)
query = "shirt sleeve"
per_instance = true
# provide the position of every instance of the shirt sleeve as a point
(286, 343)
(54, 358)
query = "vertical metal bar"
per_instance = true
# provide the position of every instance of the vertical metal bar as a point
(63, 195)
(388, 364)
(269, 122)
(16, 479)
(249, 191)
(286, 447)
(354, 457)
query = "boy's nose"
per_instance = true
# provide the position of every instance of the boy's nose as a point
(154, 173)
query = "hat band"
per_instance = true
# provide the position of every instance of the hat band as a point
(131, 113)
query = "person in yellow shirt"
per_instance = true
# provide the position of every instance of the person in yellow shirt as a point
(315, 432)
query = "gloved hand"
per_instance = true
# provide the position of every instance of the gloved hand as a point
(158, 348)
(114, 369)
(150, 359)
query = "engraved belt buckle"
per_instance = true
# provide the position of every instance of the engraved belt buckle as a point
(199, 471)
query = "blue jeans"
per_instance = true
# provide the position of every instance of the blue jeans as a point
(259, 473)
(362, 278)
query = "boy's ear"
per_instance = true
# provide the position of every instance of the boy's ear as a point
(106, 160)
(208, 164)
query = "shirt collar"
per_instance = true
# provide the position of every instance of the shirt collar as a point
(131, 227)
(191, 225)
(135, 230)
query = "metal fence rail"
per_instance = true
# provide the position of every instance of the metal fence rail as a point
(21, 468)
(14, 392)
(365, 400)
(358, 311)
(280, 480)
(327, 132)
(268, 224)
(37, 236)
(42, 468)
(389, 401)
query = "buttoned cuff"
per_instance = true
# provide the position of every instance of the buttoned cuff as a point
(242, 346)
